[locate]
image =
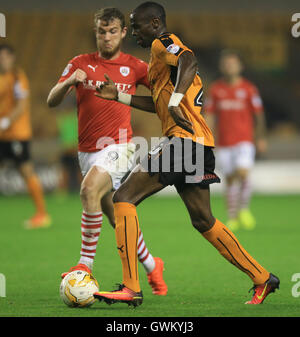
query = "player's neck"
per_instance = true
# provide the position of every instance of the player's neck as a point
(111, 57)
(234, 80)
(163, 30)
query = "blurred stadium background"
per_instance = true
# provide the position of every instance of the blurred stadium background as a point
(47, 35)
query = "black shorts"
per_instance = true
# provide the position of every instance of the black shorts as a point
(17, 151)
(180, 162)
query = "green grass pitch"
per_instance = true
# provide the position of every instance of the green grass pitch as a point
(200, 281)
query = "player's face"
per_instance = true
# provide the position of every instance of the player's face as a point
(109, 36)
(7, 60)
(230, 66)
(142, 30)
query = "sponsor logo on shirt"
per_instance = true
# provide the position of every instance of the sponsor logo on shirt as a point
(231, 104)
(173, 48)
(92, 84)
(93, 68)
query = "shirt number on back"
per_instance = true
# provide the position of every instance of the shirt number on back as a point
(198, 98)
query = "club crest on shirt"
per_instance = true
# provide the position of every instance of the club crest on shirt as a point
(241, 93)
(124, 71)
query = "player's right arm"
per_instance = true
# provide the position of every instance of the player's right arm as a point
(108, 90)
(59, 91)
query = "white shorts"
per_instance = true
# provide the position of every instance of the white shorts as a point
(231, 158)
(116, 159)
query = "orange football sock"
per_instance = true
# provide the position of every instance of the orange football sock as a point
(36, 192)
(228, 246)
(127, 234)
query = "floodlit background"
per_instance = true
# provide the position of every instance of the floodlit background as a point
(47, 35)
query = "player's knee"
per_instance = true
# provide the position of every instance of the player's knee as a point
(26, 169)
(88, 193)
(202, 224)
(242, 173)
(118, 196)
(126, 196)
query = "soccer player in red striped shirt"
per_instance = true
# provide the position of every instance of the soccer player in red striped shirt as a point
(106, 152)
(234, 110)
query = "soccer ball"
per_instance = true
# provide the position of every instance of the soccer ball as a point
(77, 289)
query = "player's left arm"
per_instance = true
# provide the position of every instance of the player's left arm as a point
(21, 92)
(7, 121)
(260, 132)
(259, 120)
(186, 71)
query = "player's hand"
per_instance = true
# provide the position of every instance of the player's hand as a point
(179, 119)
(77, 77)
(5, 123)
(107, 90)
(261, 145)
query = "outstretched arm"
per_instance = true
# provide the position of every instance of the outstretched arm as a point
(109, 91)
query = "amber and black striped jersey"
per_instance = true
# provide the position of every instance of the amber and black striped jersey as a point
(14, 86)
(162, 74)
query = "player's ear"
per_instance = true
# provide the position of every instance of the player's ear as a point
(124, 32)
(155, 23)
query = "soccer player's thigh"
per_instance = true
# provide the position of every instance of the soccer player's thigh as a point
(138, 186)
(20, 154)
(96, 182)
(244, 159)
(197, 201)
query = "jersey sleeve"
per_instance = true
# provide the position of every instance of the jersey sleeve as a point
(142, 73)
(255, 100)
(69, 69)
(169, 48)
(210, 102)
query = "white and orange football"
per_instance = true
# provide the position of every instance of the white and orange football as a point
(77, 289)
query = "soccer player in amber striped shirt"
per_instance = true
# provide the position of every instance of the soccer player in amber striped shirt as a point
(16, 133)
(176, 98)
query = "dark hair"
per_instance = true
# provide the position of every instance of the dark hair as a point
(153, 9)
(8, 47)
(108, 14)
